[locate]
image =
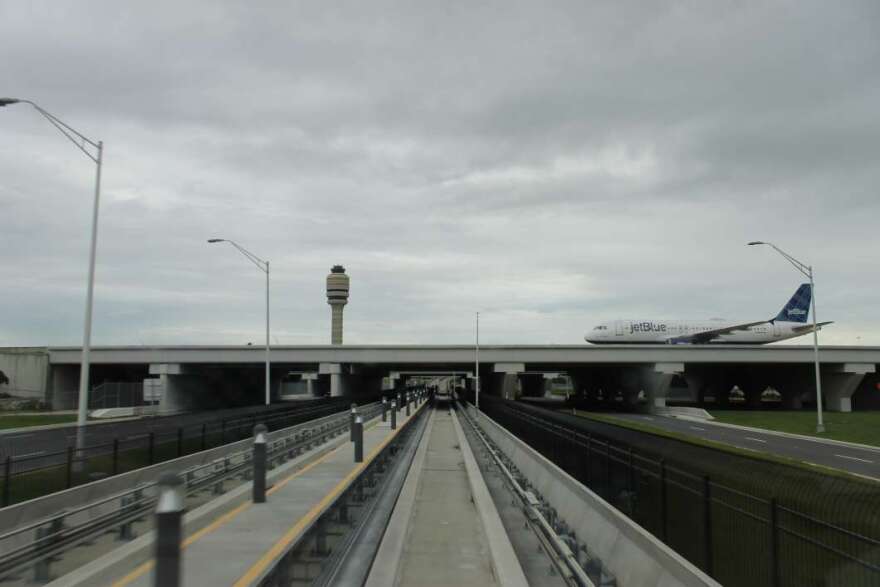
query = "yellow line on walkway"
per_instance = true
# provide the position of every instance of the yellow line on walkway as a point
(145, 567)
(293, 533)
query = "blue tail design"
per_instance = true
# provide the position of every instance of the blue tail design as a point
(798, 306)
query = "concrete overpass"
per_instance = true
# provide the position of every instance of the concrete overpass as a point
(198, 375)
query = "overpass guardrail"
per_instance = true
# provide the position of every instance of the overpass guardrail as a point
(743, 521)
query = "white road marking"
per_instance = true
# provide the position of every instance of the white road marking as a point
(697, 428)
(854, 459)
(648, 418)
(755, 439)
(30, 454)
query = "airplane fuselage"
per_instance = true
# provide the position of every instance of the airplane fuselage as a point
(661, 331)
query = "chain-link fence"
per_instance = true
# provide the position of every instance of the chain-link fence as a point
(112, 394)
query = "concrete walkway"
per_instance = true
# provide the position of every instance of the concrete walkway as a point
(242, 546)
(438, 534)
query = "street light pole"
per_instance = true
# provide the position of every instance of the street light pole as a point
(807, 270)
(264, 267)
(85, 145)
(477, 366)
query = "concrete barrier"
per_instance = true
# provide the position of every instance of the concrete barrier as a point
(629, 551)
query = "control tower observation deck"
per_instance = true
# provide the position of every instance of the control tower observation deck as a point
(337, 297)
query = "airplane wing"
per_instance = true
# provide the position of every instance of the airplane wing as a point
(709, 335)
(809, 327)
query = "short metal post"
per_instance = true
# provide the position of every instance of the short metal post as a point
(609, 464)
(259, 463)
(358, 440)
(41, 567)
(7, 481)
(707, 522)
(393, 414)
(352, 415)
(125, 529)
(589, 459)
(663, 506)
(169, 512)
(152, 448)
(632, 472)
(408, 402)
(384, 409)
(69, 467)
(179, 441)
(774, 543)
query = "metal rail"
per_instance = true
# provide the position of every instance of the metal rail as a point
(563, 550)
(321, 555)
(57, 534)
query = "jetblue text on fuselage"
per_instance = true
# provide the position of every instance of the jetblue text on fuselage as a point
(646, 327)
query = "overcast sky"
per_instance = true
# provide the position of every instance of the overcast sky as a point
(551, 165)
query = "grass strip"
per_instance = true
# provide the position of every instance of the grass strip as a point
(860, 427)
(23, 421)
(743, 452)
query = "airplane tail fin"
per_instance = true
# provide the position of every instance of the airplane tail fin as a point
(798, 306)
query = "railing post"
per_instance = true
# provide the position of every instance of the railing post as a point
(151, 449)
(632, 471)
(663, 512)
(7, 481)
(116, 455)
(774, 544)
(259, 463)
(169, 512)
(69, 467)
(707, 522)
(609, 472)
(41, 567)
(358, 440)
(180, 441)
(589, 459)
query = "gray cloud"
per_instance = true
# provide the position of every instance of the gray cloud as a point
(548, 166)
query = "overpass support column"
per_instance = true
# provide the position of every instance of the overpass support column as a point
(337, 379)
(64, 395)
(506, 379)
(656, 380)
(310, 379)
(178, 387)
(839, 385)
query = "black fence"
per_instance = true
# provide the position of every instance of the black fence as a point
(128, 446)
(744, 521)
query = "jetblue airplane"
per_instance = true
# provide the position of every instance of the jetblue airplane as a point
(789, 323)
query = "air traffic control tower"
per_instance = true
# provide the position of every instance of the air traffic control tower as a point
(337, 297)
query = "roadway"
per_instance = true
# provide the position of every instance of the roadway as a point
(859, 461)
(45, 447)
